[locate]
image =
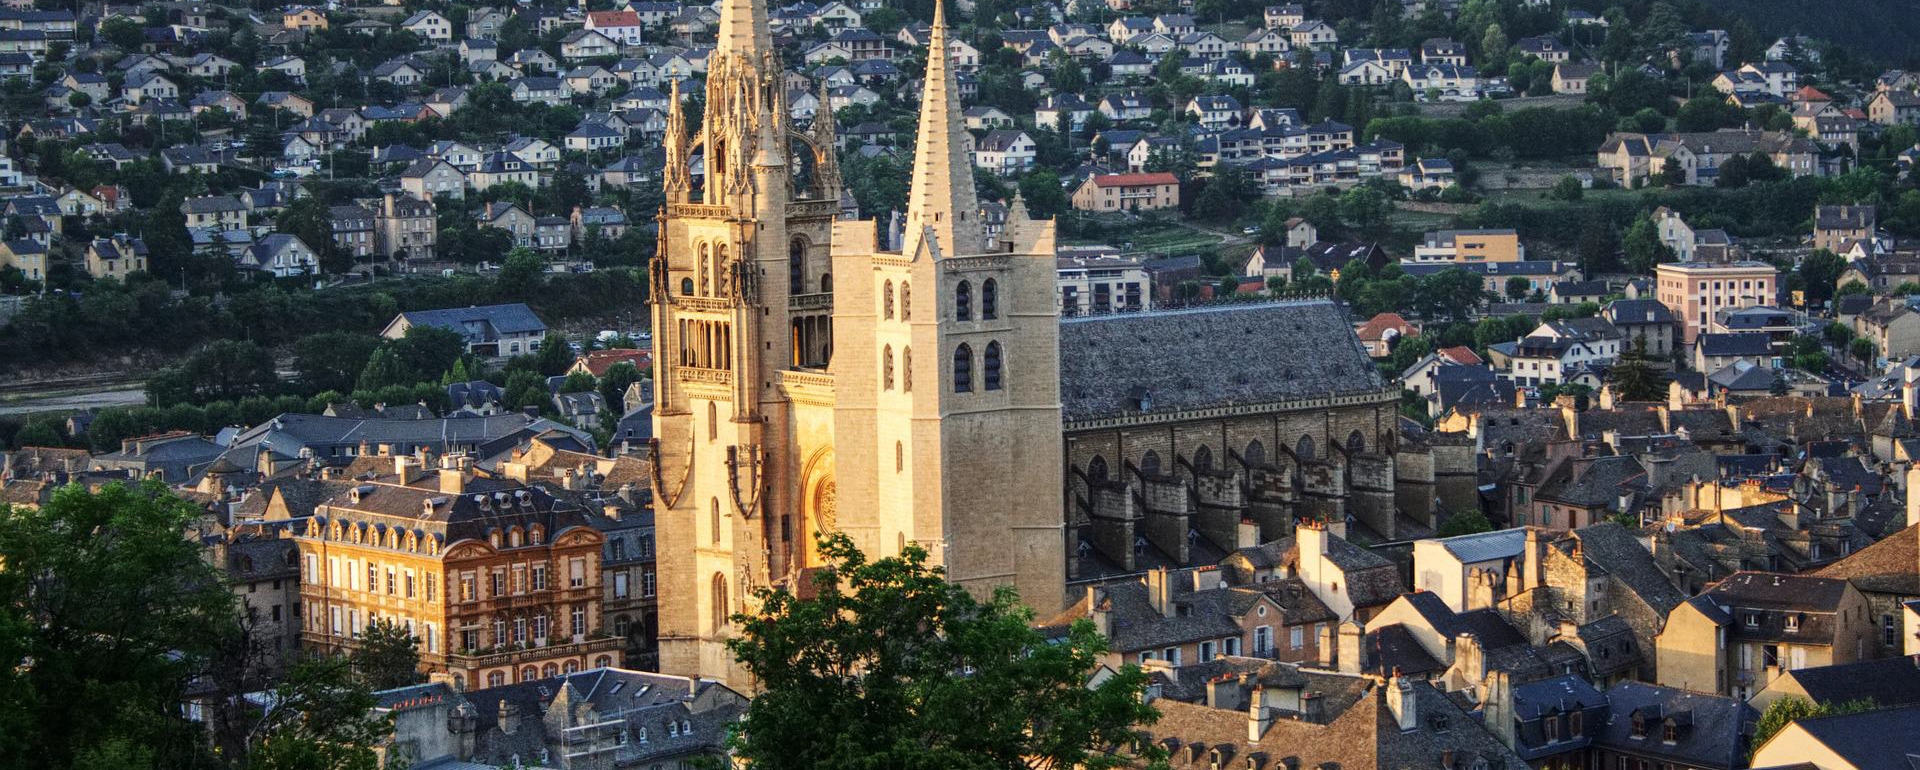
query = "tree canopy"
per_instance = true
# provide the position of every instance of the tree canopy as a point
(888, 665)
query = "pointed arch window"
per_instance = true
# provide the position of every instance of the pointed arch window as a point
(963, 369)
(1203, 459)
(1256, 453)
(886, 301)
(1097, 469)
(720, 281)
(906, 369)
(989, 300)
(906, 302)
(1150, 463)
(706, 270)
(719, 591)
(886, 368)
(713, 421)
(992, 367)
(1304, 448)
(963, 301)
(1356, 443)
(714, 514)
(797, 267)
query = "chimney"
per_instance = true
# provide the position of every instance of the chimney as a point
(1100, 610)
(1530, 564)
(612, 512)
(407, 468)
(1352, 636)
(1336, 527)
(453, 481)
(1224, 692)
(509, 717)
(1403, 704)
(1313, 707)
(1160, 591)
(1913, 495)
(1311, 537)
(1659, 470)
(1327, 643)
(1248, 535)
(1259, 715)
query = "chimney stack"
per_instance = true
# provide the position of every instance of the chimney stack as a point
(1259, 716)
(453, 481)
(406, 468)
(1101, 612)
(509, 717)
(1352, 636)
(1160, 591)
(1248, 535)
(1401, 701)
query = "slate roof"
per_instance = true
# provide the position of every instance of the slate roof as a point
(1746, 344)
(1486, 546)
(1870, 740)
(1713, 735)
(513, 318)
(1208, 357)
(1887, 682)
(1891, 566)
(1618, 552)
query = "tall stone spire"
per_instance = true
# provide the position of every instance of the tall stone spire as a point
(743, 30)
(942, 198)
(826, 135)
(674, 177)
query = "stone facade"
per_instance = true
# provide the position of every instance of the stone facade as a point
(786, 408)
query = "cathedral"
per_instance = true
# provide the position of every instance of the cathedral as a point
(818, 374)
(808, 380)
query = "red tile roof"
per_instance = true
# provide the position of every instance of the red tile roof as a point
(1460, 354)
(597, 362)
(1380, 324)
(604, 19)
(1135, 180)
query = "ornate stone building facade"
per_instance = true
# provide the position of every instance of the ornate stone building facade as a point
(811, 380)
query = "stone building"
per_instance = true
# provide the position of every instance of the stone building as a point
(1744, 631)
(499, 581)
(788, 407)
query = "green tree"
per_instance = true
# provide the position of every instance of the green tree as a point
(308, 219)
(332, 360)
(1634, 378)
(1517, 288)
(321, 718)
(889, 665)
(1863, 349)
(384, 368)
(1567, 188)
(1464, 523)
(1365, 207)
(1851, 287)
(521, 274)
(579, 382)
(1644, 248)
(107, 611)
(1043, 194)
(614, 384)
(388, 656)
(1794, 708)
(223, 370)
(1820, 272)
(555, 356)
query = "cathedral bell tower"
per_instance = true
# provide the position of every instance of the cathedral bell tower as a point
(947, 387)
(740, 296)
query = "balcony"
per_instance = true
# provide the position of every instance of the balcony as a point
(819, 301)
(513, 655)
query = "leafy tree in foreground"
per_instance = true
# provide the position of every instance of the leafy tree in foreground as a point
(388, 657)
(889, 665)
(321, 718)
(107, 611)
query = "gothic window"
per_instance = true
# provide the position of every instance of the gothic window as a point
(1150, 463)
(686, 287)
(963, 301)
(720, 271)
(719, 601)
(1356, 443)
(886, 301)
(906, 302)
(993, 366)
(989, 300)
(713, 420)
(1097, 469)
(1203, 459)
(826, 283)
(886, 368)
(797, 267)
(899, 457)
(715, 508)
(963, 368)
(1304, 448)
(1256, 453)
(906, 369)
(706, 270)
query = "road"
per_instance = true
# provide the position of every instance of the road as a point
(68, 401)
